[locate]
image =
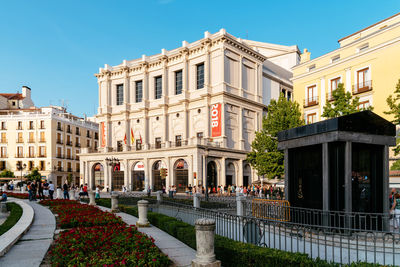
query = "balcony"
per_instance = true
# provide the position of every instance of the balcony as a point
(157, 145)
(68, 157)
(20, 141)
(69, 143)
(31, 128)
(96, 137)
(19, 156)
(77, 133)
(69, 170)
(60, 169)
(59, 128)
(69, 131)
(329, 97)
(309, 102)
(42, 141)
(59, 142)
(31, 141)
(3, 156)
(88, 136)
(77, 144)
(60, 156)
(78, 170)
(179, 143)
(31, 155)
(41, 155)
(3, 141)
(362, 87)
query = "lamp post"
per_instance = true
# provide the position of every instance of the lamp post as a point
(111, 162)
(21, 167)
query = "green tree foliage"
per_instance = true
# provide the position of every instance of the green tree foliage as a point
(342, 104)
(265, 157)
(34, 175)
(7, 173)
(394, 106)
(395, 166)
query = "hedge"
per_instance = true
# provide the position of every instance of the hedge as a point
(13, 218)
(234, 253)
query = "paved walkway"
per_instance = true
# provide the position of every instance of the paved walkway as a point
(32, 247)
(178, 252)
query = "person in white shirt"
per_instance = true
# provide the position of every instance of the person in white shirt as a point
(51, 189)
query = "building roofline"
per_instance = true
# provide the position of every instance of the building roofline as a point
(366, 28)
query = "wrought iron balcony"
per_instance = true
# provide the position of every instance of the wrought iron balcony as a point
(309, 102)
(362, 87)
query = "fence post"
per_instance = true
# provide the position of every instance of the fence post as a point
(196, 200)
(240, 205)
(159, 197)
(114, 202)
(205, 256)
(142, 207)
(92, 201)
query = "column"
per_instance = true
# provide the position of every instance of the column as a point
(241, 93)
(169, 180)
(207, 134)
(348, 80)
(186, 122)
(126, 174)
(322, 96)
(325, 177)
(106, 176)
(190, 170)
(110, 169)
(204, 170)
(239, 177)
(258, 83)
(147, 181)
(347, 177)
(223, 126)
(196, 167)
(207, 68)
(385, 185)
(126, 87)
(145, 88)
(241, 140)
(185, 74)
(222, 180)
(146, 138)
(286, 165)
(166, 126)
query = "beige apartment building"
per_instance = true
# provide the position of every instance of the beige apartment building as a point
(47, 138)
(191, 112)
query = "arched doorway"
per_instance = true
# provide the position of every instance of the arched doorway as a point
(246, 175)
(98, 174)
(181, 175)
(117, 177)
(138, 176)
(158, 182)
(230, 174)
(212, 174)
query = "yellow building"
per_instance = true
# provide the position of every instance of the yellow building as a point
(367, 63)
(47, 138)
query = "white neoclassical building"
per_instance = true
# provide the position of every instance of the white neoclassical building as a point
(192, 111)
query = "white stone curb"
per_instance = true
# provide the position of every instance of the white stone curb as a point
(9, 238)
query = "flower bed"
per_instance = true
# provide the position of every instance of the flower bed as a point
(17, 195)
(73, 214)
(99, 238)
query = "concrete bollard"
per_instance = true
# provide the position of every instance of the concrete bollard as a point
(205, 256)
(23, 188)
(114, 202)
(92, 201)
(4, 188)
(196, 200)
(72, 194)
(159, 197)
(3, 207)
(142, 207)
(59, 195)
(240, 208)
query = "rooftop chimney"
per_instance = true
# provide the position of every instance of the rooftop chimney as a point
(26, 91)
(305, 56)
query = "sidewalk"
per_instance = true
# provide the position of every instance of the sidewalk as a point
(178, 252)
(32, 247)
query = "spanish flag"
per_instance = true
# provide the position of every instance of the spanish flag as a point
(132, 137)
(125, 139)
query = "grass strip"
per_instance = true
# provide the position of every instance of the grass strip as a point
(13, 218)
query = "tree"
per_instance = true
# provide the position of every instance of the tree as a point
(34, 175)
(7, 173)
(394, 106)
(265, 156)
(395, 166)
(343, 104)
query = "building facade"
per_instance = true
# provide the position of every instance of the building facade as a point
(367, 63)
(47, 138)
(191, 112)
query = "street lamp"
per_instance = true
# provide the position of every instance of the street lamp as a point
(20, 167)
(111, 162)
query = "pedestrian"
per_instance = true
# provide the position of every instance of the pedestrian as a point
(148, 191)
(40, 190)
(51, 189)
(97, 192)
(85, 190)
(65, 188)
(395, 210)
(34, 190)
(45, 189)
(30, 191)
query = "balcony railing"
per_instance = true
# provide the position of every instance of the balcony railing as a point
(77, 144)
(19, 156)
(69, 131)
(68, 157)
(31, 141)
(329, 97)
(309, 102)
(59, 142)
(60, 156)
(69, 169)
(20, 140)
(3, 141)
(59, 128)
(42, 141)
(69, 143)
(362, 87)
(77, 133)
(3, 156)
(41, 155)
(60, 169)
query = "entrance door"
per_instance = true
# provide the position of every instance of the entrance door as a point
(159, 183)
(211, 174)
(138, 177)
(181, 175)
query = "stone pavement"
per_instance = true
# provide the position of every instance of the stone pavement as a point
(178, 252)
(32, 247)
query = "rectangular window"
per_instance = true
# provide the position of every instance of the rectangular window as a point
(20, 125)
(335, 58)
(363, 105)
(158, 142)
(30, 125)
(77, 132)
(119, 146)
(20, 139)
(311, 118)
(20, 152)
(311, 96)
(42, 139)
(3, 138)
(158, 87)
(311, 68)
(3, 125)
(3, 151)
(59, 126)
(178, 140)
(30, 165)
(178, 82)
(41, 124)
(31, 152)
(200, 75)
(289, 95)
(335, 83)
(138, 144)
(42, 151)
(31, 138)
(120, 94)
(42, 165)
(363, 47)
(138, 91)
(362, 78)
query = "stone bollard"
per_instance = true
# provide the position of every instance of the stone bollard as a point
(196, 200)
(142, 207)
(240, 208)
(92, 201)
(72, 194)
(59, 195)
(3, 207)
(23, 188)
(114, 202)
(159, 197)
(205, 256)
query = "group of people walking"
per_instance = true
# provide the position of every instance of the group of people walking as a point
(40, 189)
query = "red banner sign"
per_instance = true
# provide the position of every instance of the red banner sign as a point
(216, 120)
(103, 134)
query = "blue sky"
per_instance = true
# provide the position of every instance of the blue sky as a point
(55, 47)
